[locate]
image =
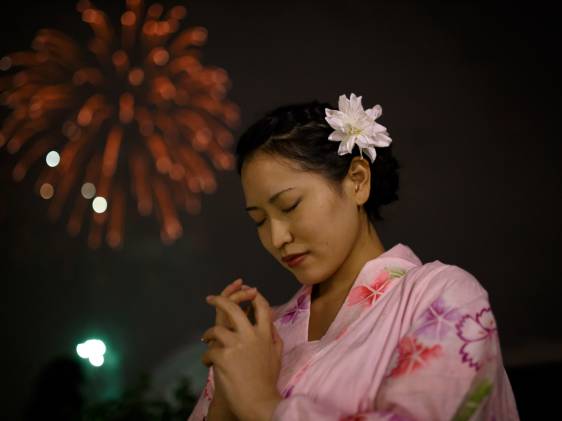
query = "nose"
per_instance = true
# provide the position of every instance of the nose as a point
(280, 233)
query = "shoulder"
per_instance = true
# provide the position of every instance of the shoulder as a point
(437, 279)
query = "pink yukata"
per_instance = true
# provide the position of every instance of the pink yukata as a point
(412, 341)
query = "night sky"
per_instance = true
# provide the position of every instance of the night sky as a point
(471, 98)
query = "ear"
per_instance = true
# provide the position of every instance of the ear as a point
(358, 179)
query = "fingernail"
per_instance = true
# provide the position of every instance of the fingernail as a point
(209, 297)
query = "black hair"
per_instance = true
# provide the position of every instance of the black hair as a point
(300, 133)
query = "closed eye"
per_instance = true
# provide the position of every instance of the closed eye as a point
(284, 211)
(292, 207)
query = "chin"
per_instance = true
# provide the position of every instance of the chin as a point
(308, 280)
(309, 274)
(305, 283)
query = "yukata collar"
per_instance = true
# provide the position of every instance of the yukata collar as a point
(391, 257)
(376, 277)
(374, 280)
(398, 251)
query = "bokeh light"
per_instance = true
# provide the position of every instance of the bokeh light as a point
(99, 204)
(88, 190)
(46, 191)
(93, 350)
(52, 159)
(96, 360)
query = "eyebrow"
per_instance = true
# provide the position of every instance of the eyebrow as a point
(271, 199)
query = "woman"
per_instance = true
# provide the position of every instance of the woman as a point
(372, 334)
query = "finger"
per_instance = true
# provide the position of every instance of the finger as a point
(220, 334)
(230, 288)
(274, 334)
(243, 295)
(221, 319)
(237, 317)
(206, 360)
(262, 312)
(212, 356)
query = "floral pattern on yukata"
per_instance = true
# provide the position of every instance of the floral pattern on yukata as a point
(207, 390)
(342, 333)
(438, 320)
(364, 416)
(478, 334)
(369, 293)
(287, 392)
(289, 388)
(292, 314)
(411, 356)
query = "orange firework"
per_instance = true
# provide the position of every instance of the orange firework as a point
(130, 117)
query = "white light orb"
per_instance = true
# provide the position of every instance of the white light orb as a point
(52, 159)
(99, 204)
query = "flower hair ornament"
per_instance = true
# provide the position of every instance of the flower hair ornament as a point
(355, 126)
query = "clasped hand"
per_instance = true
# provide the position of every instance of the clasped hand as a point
(246, 358)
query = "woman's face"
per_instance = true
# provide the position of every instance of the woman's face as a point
(298, 212)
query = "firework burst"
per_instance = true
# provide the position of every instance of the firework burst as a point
(130, 117)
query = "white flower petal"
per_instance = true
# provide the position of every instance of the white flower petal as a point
(351, 143)
(346, 146)
(329, 112)
(335, 114)
(364, 123)
(374, 112)
(378, 128)
(337, 136)
(336, 119)
(363, 141)
(342, 150)
(382, 140)
(371, 153)
(343, 104)
(355, 105)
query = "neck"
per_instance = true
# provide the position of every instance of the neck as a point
(367, 247)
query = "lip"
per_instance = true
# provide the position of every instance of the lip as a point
(294, 259)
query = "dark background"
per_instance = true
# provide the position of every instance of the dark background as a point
(471, 97)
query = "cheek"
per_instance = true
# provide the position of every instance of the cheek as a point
(327, 225)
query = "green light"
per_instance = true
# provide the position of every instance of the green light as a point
(96, 360)
(93, 350)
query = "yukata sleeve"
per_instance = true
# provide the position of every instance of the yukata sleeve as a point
(443, 368)
(201, 408)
